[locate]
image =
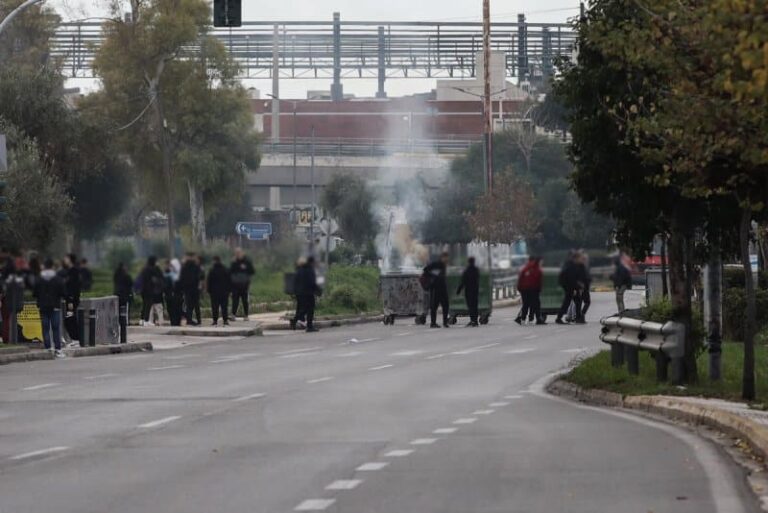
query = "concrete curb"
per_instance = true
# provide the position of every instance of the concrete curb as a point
(215, 332)
(131, 347)
(330, 323)
(754, 434)
(29, 356)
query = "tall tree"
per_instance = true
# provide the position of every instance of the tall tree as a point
(349, 200)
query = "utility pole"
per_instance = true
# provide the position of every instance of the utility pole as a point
(487, 100)
(312, 181)
(295, 212)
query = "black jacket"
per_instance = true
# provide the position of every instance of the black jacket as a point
(621, 276)
(71, 278)
(122, 284)
(218, 283)
(190, 277)
(305, 281)
(436, 271)
(240, 272)
(470, 282)
(49, 291)
(152, 282)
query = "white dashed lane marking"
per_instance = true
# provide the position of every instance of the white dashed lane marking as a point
(424, 441)
(167, 367)
(498, 405)
(475, 349)
(381, 367)
(315, 505)
(248, 397)
(350, 354)
(513, 397)
(38, 454)
(298, 351)
(445, 431)
(159, 422)
(520, 351)
(40, 387)
(436, 356)
(404, 334)
(344, 484)
(319, 380)
(101, 376)
(407, 353)
(372, 466)
(467, 420)
(483, 412)
(399, 453)
(530, 337)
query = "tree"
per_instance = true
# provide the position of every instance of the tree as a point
(24, 43)
(38, 204)
(348, 199)
(505, 214)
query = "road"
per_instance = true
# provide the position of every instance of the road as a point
(402, 420)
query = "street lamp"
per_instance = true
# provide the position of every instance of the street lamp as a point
(295, 217)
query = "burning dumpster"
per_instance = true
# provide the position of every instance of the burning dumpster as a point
(402, 296)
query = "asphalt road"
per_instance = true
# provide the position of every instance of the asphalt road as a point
(402, 420)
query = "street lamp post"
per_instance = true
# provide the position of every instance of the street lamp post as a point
(293, 128)
(487, 101)
(312, 180)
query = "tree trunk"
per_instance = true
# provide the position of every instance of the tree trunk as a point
(713, 311)
(681, 302)
(691, 344)
(748, 377)
(197, 213)
(664, 267)
(165, 146)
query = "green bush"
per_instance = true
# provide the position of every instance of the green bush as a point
(661, 311)
(119, 251)
(734, 312)
(733, 278)
(345, 296)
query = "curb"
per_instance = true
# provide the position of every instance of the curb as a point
(213, 332)
(130, 347)
(30, 356)
(754, 434)
(332, 323)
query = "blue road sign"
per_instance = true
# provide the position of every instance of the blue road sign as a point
(254, 231)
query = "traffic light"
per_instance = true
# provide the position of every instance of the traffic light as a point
(227, 13)
(3, 214)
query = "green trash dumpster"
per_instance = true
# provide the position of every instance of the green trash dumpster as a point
(551, 292)
(457, 304)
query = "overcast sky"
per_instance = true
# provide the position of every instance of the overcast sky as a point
(378, 10)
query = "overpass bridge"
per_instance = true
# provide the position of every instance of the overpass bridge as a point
(336, 49)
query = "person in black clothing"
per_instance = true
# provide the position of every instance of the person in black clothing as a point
(305, 287)
(70, 273)
(585, 282)
(569, 282)
(470, 284)
(122, 285)
(152, 282)
(190, 278)
(622, 280)
(86, 276)
(438, 289)
(218, 286)
(49, 293)
(240, 272)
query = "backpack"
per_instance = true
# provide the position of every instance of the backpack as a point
(425, 280)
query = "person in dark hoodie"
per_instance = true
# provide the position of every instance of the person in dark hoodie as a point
(152, 282)
(438, 289)
(240, 272)
(49, 293)
(190, 277)
(122, 285)
(218, 284)
(306, 289)
(569, 282)
(470, 284)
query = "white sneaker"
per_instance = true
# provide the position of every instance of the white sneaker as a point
(59, 354)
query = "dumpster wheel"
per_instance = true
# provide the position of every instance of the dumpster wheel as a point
(484, 319)
(421, 320)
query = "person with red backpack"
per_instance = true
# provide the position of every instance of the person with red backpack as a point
(529, 283)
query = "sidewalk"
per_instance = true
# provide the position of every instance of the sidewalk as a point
(173, 337)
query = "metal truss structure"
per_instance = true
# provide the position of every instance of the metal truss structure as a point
(358, 49)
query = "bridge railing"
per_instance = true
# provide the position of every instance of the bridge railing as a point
(329, 147)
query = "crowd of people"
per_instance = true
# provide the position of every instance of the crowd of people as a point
(177, 289)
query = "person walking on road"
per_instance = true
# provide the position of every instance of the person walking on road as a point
(190, 278)
(529, 283)
(569, 282)
(306, 289)
(241, 271)
(49, 293)
(219, 285)
(438, 289)
(622, 280)
(470, 284)
(152, 284)
(585, 283)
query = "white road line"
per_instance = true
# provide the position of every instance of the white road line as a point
(483, 412)
(404, 334)
(344, 484)
(520, 351)
(363, 341)
(350, 354)
(513, 396)
(319, 380)
(315, 505)
(167, 367)
(500, 404)
(467, 420)
(471, 350)
(372, 466)
(407, 353)
(182, 357)
(575, 350)
(423, 441)
(101, 376)
(445, 431)
(530, 337)
(381, 367)
(40, 387)
(248, 397)
(298, 351)
(159, 422)
(399, 453)
(436, 356)
(41, 452)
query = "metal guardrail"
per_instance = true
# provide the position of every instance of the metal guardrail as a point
(627, 337)
(366, 147)
(504, 284)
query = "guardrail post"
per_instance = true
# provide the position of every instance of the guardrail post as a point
(662, 365)
(633, 360)
(617, 355)
(92, 327)
(80, 313)
(677, 371)
(123, 324)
